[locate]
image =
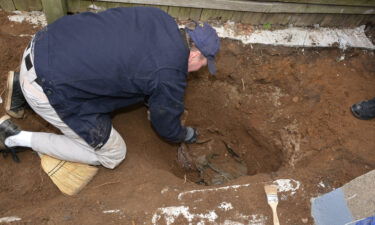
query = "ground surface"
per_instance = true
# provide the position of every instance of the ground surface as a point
(284, 111)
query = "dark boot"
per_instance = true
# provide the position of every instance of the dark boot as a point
(7, 129)
(14, 100)
(364, 110)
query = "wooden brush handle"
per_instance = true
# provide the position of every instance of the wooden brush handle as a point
(275, 217)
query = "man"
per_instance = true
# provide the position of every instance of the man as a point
(79, 69)
(364, 110)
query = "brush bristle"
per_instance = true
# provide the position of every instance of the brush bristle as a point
(271, 193)
(270, 189)
(69, 177)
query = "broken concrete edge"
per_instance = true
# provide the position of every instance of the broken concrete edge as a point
(351, 202)
(301, 37)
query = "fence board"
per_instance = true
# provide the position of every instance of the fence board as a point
(275, 19)
(237, 16)
(128, 5)
(209, 14)
(174, 11)
(225, 15)
(27, 5)
(7, 5)
(54, 9)
(35, 5)
(162, 7)
(84, 5)
(309, 19)
(21, 5)
(252, 6)
(73, 6)
(113, 4)
(251, 18)
(102, 5)
(254, 18)
(329, 2)
(195, 14)
(184, 13)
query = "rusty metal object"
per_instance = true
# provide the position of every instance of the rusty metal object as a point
(184, 158)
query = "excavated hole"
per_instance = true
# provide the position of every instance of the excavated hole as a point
(234, 145)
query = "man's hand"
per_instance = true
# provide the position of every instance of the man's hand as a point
(191, 135)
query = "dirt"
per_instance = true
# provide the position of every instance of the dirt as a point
(283, 111)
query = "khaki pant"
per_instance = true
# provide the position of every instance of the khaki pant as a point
(69, 146)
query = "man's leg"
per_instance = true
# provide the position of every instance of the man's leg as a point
(70, 146)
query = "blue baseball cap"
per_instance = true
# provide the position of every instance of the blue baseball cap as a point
(206, 40)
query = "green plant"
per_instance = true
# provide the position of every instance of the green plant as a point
(267, 26)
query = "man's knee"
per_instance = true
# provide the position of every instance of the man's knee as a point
(113, 152)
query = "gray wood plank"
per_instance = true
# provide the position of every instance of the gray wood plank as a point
(21, 5)
(237, 16)
(195, 14)
(113, 4)
(174, 11)
(84, 5)
(162, 7)
(7, 5)
(225, 15)
(73, 6)
(128, 5)
(209, 14)
(103, 5)
(327, 20)
(184, 13)
(54, 9)
(253, 6)
(35, 5)
(252, 18)
(329, 2)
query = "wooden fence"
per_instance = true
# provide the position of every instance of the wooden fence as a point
(275, 12)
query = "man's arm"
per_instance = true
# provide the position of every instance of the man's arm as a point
(166, 105)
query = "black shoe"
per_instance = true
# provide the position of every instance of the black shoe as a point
(364, 110)
(7, 129)
(14, 100)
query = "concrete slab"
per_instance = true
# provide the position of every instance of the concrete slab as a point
(360, 195)
(348, 204)
(300, 36)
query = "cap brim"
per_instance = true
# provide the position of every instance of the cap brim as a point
(211, 66)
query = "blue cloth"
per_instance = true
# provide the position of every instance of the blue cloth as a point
(331, 209)
(92, 64)
(368, 221)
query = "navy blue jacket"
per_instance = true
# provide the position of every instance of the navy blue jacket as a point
(91, 64)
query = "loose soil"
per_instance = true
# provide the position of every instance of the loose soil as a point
(283, 111)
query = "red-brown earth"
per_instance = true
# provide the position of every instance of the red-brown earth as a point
(284, 111)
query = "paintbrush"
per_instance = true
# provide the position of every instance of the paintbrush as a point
(271, 192)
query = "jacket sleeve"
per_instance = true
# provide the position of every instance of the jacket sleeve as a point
(166, 105)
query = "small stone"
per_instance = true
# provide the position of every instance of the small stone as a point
(295, 99)
(305, 220)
